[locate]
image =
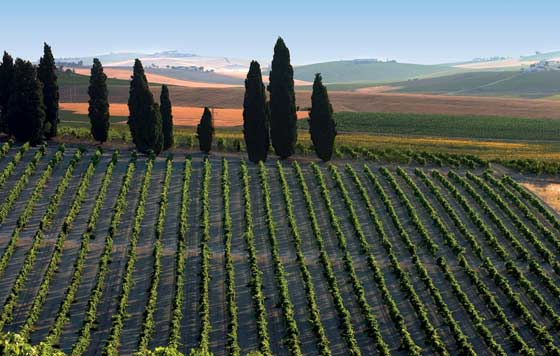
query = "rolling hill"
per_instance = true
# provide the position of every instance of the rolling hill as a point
(517, 84)
(369, 71)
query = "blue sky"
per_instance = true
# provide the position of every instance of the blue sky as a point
(426, 31)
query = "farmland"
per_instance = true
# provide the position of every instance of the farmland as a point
(108, 252)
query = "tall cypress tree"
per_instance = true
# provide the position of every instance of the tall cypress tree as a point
(98, 102)
(6, 78)
(47, 75)
(283, 116)
(166, 117)
(26, 111)
(144, 118)
(255, 115)
(321, 123)
(205, 131)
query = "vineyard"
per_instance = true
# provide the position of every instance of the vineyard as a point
(113, 253)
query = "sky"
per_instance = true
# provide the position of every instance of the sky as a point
(413, 31)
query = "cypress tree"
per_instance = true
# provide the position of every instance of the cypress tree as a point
(166, 118)
(6, 78)
(144, 118)
(205, 131)
(98, 102)
(47, 75)
(255, 115)
(283, 116)
(26, 110)
(321, 123)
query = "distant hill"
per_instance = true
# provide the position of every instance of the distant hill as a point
(541, 56)
(518, 84)
(195, 76)
(167, 59)
(367, 71)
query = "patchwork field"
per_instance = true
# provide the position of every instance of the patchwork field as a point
(116, 253)
(182, 115)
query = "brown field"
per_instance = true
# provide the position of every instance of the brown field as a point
(232, 98)
(124, 74)
(547, 191)
(182, 115)
(506, 63)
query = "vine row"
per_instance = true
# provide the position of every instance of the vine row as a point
(345, 320)
(75, 208)
(7, 310)
(148, 325)
(256, 274)
(84, 334)
(70, 293)
(312, 307)
(22, 181)
(113, 340)
(292, 331)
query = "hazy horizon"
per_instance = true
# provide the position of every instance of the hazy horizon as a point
(429, 32)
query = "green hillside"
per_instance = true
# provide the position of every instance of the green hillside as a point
(518, 84)
(364, 71)
(471, 127)
(68, 78)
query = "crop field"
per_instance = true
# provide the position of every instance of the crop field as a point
(105, 253)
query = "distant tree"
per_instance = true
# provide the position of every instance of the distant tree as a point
(321, 123)
(283, 116)
(98, 102)
(205, 131)
(6, 78)
(144, 118)
(47, 75)
(255, 115)
(166, 117)
(26, 111)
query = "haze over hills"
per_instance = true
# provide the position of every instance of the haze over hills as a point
(496, 76)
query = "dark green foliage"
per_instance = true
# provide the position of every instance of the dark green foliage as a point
(166, 118)
(205, 131)
(145, 118)
(6, 77)
(98, 102)
(46, 73)
(26, 111)
(321, 124)
(283, 117)
(255, 115)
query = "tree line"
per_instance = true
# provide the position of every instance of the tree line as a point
(274, 121)
(29, 98)
(29, 108)
(266, 121)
